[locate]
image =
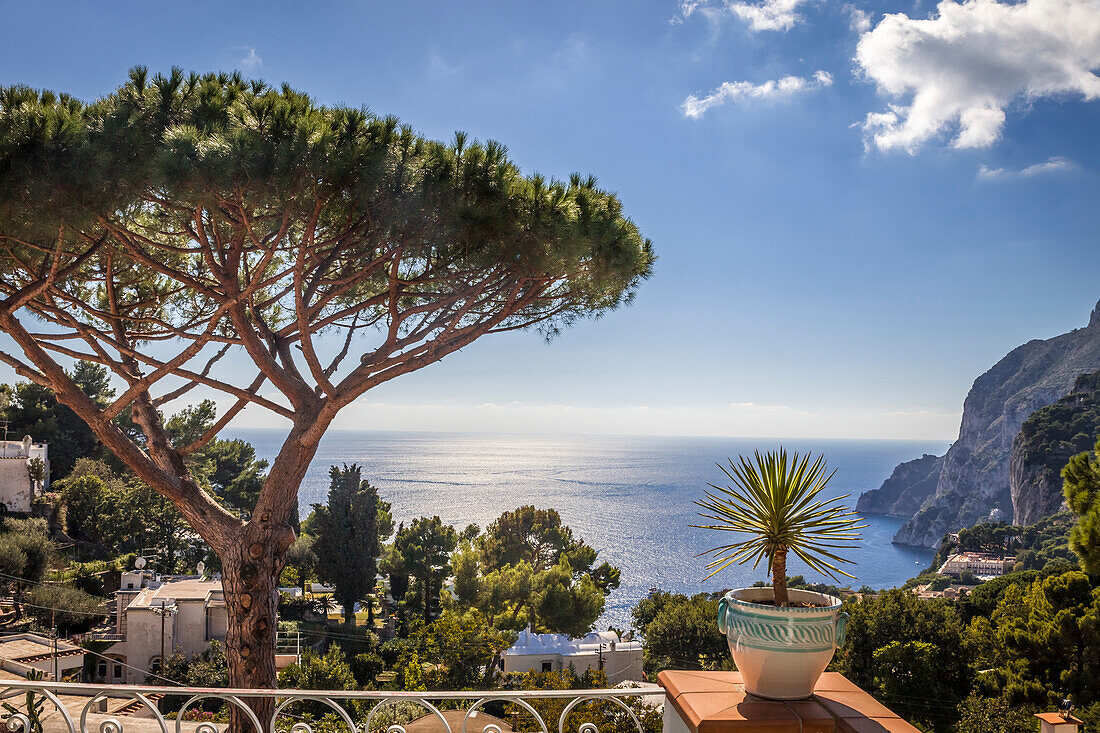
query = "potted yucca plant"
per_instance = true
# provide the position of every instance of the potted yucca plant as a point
(781, 639)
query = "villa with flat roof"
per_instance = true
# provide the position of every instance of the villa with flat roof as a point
(176, 614)
(22, 653)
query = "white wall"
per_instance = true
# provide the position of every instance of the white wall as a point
(65, 665)
(623, 664)
(15, 484)
(142, 643)
(620, 665)
(188, 632)
(191, 626)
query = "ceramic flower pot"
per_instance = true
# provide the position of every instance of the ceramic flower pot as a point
(781, 652)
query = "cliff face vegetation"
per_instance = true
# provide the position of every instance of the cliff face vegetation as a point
(1045, 443)
(973, 480)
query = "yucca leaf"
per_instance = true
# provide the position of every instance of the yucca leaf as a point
(774, 498)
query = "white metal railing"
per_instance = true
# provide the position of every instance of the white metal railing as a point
(78, 708)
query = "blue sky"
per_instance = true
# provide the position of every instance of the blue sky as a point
(830, 265)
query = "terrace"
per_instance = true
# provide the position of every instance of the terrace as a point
(683, 702)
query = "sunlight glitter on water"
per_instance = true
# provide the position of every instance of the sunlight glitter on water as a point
(629, 497)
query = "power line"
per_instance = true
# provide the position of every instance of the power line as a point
(60, 609)
(28, 581)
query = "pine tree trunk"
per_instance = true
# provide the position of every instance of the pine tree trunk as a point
(250, 580)
(349, 614)
(779, 578)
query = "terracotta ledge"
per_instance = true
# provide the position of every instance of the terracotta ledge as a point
(716, 702)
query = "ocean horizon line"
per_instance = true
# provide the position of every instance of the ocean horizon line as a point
(664, 436)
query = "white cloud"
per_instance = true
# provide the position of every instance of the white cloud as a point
(1053, 165)
(960, 69)
(769, 15)
(687, 8)
(251, 60)
(738, 91)
(859, 20)
(764, 15)
(709, 9)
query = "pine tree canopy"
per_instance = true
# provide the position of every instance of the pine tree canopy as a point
(219, 210)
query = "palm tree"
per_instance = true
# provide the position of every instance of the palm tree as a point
(324, 605)
(776, 501)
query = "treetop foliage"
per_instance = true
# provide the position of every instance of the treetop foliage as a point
(534, 536)
(171, 172)
(1081, 486)
(32, 409)
(527, 568)
(349, 531)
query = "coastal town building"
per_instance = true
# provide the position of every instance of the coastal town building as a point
(24, 469)
(176, 614)
(56, 659)
(980, 564)
(155, 613)
(620, 660)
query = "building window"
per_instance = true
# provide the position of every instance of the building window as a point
(154, 665)
(547, 666)
(118, 672)
(101, 670)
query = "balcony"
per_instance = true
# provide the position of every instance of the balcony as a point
(80, 708)
(684, 702)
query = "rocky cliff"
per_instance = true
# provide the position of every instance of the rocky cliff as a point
(909, 486)
(973, 480)
(1045, 443)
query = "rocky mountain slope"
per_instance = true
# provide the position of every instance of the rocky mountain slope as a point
(1046, 441)
(908, 487)
(974, 477)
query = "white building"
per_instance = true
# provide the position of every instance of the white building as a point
(620, 660)
(979, 563)
(178, 614)
(16, 486)
(20, 653)
(181, 614)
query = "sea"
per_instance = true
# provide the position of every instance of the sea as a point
(632, 498)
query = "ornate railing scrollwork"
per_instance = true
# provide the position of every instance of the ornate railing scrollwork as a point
(206, 727)
(302, 727)
(25, 721)
(18, 723)
(589, 698)
(396, 728)
(80, 708)
(491, 728)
